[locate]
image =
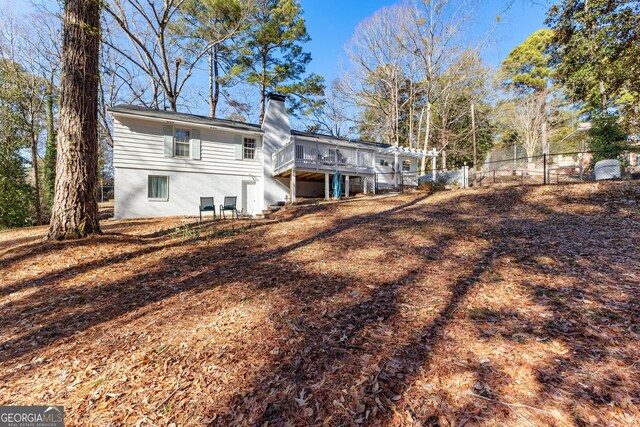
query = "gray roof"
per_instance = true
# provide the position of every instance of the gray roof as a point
(191, 118)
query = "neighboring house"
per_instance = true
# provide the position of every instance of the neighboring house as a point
(165, 161)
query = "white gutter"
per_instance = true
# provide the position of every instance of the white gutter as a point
(184, 122)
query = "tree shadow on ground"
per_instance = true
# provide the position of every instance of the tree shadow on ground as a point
(303, 368)
(77, 308)
(352, 348)
(338, 355)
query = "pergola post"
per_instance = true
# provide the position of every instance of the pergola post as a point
(396, 170)
(326, 186)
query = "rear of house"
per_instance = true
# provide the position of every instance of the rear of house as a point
(165, 161)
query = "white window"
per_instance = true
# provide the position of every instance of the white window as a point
(249, 148)
(158, 187)
(406, 165)
(384, 162)
(181, 144)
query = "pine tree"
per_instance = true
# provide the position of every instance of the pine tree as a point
(213, 23)
(75, 210)
(273, 58)
(527, 75)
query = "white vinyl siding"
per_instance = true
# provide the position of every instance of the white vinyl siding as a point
(139, 144)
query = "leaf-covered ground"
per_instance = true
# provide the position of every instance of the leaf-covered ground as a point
(508, 306)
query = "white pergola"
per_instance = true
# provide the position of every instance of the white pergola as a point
(414, 153)
(408, 152)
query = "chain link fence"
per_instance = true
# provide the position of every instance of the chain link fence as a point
(558, 168)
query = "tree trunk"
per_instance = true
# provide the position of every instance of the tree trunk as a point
(473, 136)
(417, 137)
(263, 95)
(603, 96)
(263, 86)
(410, 135)
(212, 108)
(50, 149)
(214, 83)
(173, 103)
(75, 211)
(36, 175)
(423, 168)
(396, 113)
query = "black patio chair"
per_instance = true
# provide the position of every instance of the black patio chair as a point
(229, 205)
(207, 204)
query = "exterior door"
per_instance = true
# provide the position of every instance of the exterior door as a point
(249, 197)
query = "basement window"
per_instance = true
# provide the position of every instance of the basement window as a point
(158, 188)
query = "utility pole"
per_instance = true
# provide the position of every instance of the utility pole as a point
(473, 135)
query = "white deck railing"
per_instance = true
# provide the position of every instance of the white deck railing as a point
(282, 159)
(322, 156)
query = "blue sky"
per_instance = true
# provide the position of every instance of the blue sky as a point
(331, 24)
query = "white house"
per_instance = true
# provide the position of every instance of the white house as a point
(165, 161)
